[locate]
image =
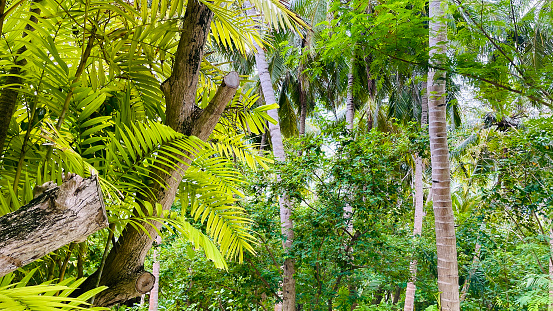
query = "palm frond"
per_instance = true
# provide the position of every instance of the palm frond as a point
(46, 296)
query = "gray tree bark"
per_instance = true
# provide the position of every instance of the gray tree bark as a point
(287, 227)
(125, 261)
(59, 216)
(350, 108)
(448, 277)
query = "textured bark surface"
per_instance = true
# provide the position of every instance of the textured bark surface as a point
(59, 216)
(183, 115)
(448, 277)
(140, 282)
(288, 282)
(424, 104)
(350, 113)
(287, 228)
(350, 108)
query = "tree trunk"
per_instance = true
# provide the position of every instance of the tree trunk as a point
(350, 113)
(397, 295)
(59, 216)
(263, 141)
(348, 208)
(287, 230)
(350, 108)
(475, 260)
(417, 230)
(378, 296)
(81, 247)
(154, 294)
(424, 104)
(125, 262)
(303, 98)
(127, 256)
(448, 277)
(550, 308)
(419, 209)
(8, 98)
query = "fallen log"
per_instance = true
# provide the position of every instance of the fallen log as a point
(58, 216)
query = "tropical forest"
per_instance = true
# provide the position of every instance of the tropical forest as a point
(282, 155)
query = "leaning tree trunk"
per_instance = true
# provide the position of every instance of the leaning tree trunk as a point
(288, 282)
(419, 208)
(125, 262)
(59, 216)
(448, 278)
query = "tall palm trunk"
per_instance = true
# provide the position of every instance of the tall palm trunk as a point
(419, 208)
(288, 282)
(448, 278)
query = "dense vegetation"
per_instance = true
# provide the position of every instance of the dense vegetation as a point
(372, 155)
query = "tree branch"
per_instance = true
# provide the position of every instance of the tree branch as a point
(59, 216)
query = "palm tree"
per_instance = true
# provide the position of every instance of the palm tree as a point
(287, 227)
(87, 115)
(448, 278)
